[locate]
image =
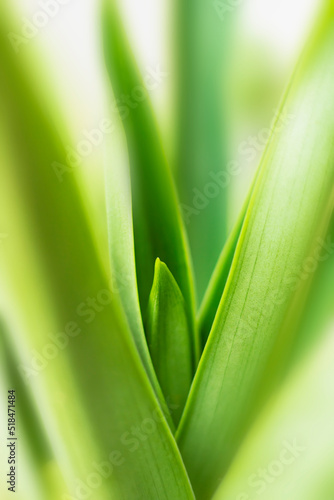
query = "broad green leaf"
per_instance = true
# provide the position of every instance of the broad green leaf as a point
(309, 311)
(158, 228)
(201, 43)
(121, 250)
(113, 393)
(318, 311)
(293, 188)
(320, 302)
(289, 452)
(169, 338)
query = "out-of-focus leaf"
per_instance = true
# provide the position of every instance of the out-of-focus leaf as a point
(29, 424)
(111, 383)
(291, 192)
(158, 227)
(308, 313)
(289, 452)
(320, 303)
(169, 338)
(202, 38)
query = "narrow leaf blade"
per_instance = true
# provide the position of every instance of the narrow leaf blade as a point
(169, 338)
(121, 251)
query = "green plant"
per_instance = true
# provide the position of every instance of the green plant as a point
(140, 399)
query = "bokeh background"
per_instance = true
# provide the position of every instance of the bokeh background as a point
(234, 86)
(253, 45)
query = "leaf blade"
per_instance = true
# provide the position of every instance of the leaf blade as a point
(103, 360)
(121, 252)
(169, 338)
(273, 242)
(201, 147)
(158, 227)
(293, 433)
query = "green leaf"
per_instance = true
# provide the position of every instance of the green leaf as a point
(291, 192)
(31, 429)
(169, 338)
(218, 280)
(121, 251)
(289, 452)
(113, 394)
(319, 307)
(201, 53)
(309, 311)
(158, 227)
(215, 289)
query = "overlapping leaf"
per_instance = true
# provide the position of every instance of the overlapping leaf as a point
(112, 386)
(121, 250)
(218, 280)
(293, 188)
(158, 229)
